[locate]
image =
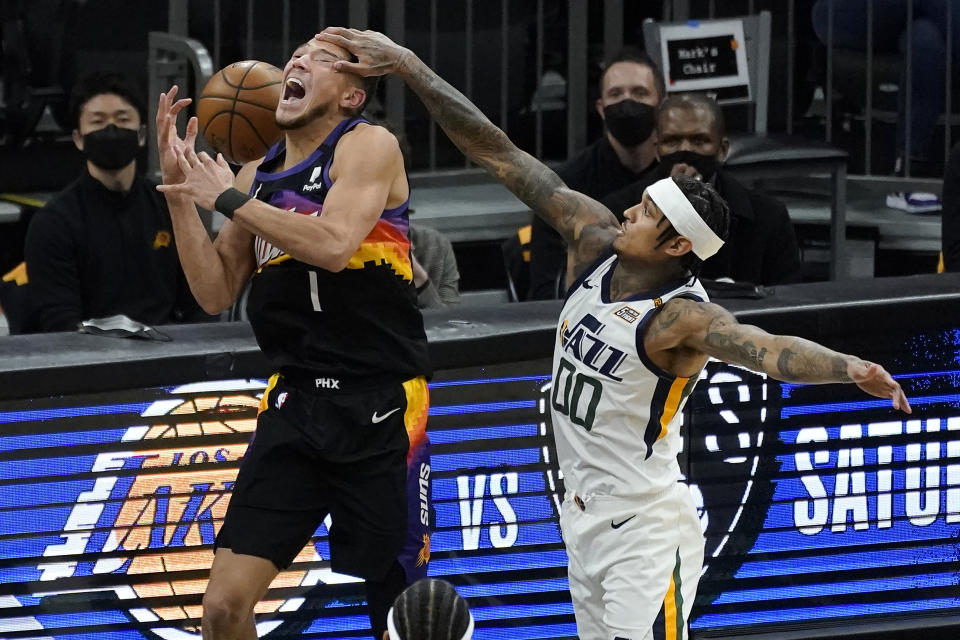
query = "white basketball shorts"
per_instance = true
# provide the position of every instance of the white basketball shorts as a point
(634, 564)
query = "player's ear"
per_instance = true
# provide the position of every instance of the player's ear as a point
(77, 139)
(353, 98)
(142, 135)
(678, 246)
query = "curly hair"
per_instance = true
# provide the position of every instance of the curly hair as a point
(712, 208)
(430, 609)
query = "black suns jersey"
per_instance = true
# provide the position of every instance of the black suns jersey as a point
(361, 324)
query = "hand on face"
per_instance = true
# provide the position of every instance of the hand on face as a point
(377, 54)
(169, 144)
(204, 178)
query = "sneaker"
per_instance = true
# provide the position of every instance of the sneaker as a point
(914, 201)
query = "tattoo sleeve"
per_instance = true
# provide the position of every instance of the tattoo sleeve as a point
(786, 358)
(569, 212)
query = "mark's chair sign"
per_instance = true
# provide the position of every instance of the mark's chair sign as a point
(706, 57)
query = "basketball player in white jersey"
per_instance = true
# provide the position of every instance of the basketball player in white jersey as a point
(633, 336)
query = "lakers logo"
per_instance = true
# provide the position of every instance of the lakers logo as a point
(171, 510)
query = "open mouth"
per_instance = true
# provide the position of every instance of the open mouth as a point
(293, 90)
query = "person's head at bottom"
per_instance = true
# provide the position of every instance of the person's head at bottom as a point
(429, 609)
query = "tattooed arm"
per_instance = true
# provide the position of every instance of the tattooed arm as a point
(587, 226)
(700, 329)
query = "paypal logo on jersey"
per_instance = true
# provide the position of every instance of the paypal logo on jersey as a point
(312, 184)
(582, 342)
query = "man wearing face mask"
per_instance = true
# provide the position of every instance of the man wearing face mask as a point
(631, 87)
(691, 140)
(104, 245)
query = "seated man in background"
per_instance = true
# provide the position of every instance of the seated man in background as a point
(434, 264)
(691, 140)
(631, 87)
(104, 245)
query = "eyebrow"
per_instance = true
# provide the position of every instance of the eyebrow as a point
(124, 110)
(329, 53)
(302, 49)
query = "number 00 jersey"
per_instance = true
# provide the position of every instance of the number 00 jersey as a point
(360, 325)
(616, 415)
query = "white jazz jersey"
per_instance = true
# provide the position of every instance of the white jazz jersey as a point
(616, 415)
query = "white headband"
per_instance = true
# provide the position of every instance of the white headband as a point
(684, 218)
(395, 635)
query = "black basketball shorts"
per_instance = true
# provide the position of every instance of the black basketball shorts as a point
(361, 457)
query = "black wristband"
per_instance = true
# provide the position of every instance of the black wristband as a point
(421, 288)
(231, 200)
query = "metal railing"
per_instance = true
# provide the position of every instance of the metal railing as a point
(493, 41)
(869, 50)
(498, 53)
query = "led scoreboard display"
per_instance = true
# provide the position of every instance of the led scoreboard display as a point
(820, 505)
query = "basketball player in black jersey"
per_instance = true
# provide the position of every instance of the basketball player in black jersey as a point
(320, 224)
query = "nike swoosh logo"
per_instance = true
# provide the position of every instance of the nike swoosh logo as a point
(378, 418)
(617, 525)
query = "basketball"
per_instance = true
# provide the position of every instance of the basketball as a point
(236, 110)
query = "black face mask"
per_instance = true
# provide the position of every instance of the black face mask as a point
(111, 148)
(629, 121)
(705, 165)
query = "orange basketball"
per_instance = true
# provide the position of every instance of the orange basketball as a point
(236, 110)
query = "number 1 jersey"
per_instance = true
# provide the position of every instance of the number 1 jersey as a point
(361, 324)
(616, 415)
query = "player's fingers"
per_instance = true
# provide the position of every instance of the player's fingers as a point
(185, 163)
(171, 137)
(204, 158)
(356, 68)
(191, 136)
(179, 105)
(338, 40)
(172, 93)
(904, 402)
(223, 162)
(338, 32)
(172, 188)
(191, 155)
(163, 130)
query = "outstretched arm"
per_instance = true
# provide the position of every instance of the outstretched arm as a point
(710, 329)
(586, 225)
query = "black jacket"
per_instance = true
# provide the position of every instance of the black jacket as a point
(92, 252)
(595, 171)
(762, 245)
